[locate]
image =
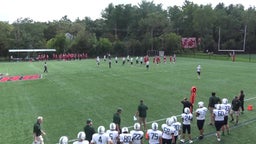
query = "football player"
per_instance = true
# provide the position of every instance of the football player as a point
(227, 107)
(168, 132)
(81, 138)
(113, 133)
(187, 118)
(154, 136)
(200, 116)
(177, 126)
(218, 115)
(125, 136)
(63, 140)
(101, 137)
(137, 134)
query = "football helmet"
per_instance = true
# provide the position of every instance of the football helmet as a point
(174, 119)
(169, 121)
(81, 135)
(200, 104)
(224, 100)
(186, 110)
(136, 126)
(218, 106)
(63, 140)
(101, 129)
(125, 129)
(154, 126)
(112, 126)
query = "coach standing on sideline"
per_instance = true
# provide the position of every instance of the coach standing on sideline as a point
(142, 113)
(186, 103)
(89, 130)
(38, 132)
(213, 100)
(117, 119)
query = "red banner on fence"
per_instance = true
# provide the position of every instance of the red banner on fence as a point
(188, 42)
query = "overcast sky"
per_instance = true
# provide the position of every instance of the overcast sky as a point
(49, 10)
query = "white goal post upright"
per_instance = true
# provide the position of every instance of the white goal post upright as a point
(233, 50)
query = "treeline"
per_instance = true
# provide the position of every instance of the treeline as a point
(133, 30)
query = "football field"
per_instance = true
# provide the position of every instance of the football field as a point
(73, 91)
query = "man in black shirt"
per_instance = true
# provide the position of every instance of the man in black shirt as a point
(213, 100)
(235, 109)
(38, 132)
(117, 119)
(186, 103)
(142, 113)
(241, 98)
(89, 130)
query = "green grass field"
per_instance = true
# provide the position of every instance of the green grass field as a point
(73, 91)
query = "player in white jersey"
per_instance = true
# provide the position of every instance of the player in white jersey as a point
(116, 59)
(218, 115)
(125, 137)
(177, 127)
(198, 71)
(101, 137)
(168, 132)
(98, 60)
(141, 60)
(187, 117)
(154, 136)
(227, 107)
(113, 133)
(81, 138)
(200, 116)
(137, 134)
(124, 60)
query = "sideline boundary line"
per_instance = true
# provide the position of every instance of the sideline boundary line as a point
(206, 135)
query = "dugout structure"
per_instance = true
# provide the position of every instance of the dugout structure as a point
(27, 54)
(153, 53)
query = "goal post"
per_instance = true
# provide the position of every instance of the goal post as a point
(242, 49)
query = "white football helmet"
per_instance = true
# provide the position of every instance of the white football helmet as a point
(112, 126)
(169, 121)
(218, 106)
(63, 140)
(154, 126)
(101, 129)
(200, 104)
(186, 110)
(125, 129)
(136, 126)
(81, 135)
(224, 100)
(174, 119)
